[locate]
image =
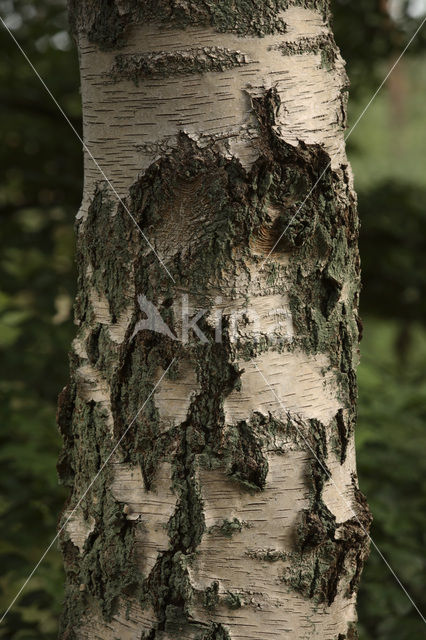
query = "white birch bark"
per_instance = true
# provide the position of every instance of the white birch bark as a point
(231, 508)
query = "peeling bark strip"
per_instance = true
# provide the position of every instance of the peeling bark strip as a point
(220, 516)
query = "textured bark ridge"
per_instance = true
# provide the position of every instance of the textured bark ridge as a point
(230, 510)
(107, 27)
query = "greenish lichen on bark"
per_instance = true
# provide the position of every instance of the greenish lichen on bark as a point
(233, 600)
(327, 565)
(268, 555)
(109, 568)
(228, 527)
(168, 588)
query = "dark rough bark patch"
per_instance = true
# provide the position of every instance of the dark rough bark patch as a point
(351, 634)
(186, 526)
(64, 416)
(142, 440)
(345, 430)
(319, 267)
(106, 24)
(106, 568)
(169, 589)
(323, 44)
(211, 596)
(216, 632)
(328, 564)
(178, 62)
(106, 243)
(249, 464)
(329, 556)
(293, 183)
(233, 600)
(214, 196)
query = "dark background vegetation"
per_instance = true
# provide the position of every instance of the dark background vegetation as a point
(40, 190)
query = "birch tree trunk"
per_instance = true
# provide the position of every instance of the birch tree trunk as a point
(230, 509)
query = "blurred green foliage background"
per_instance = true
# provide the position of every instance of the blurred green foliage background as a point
(40, 191)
